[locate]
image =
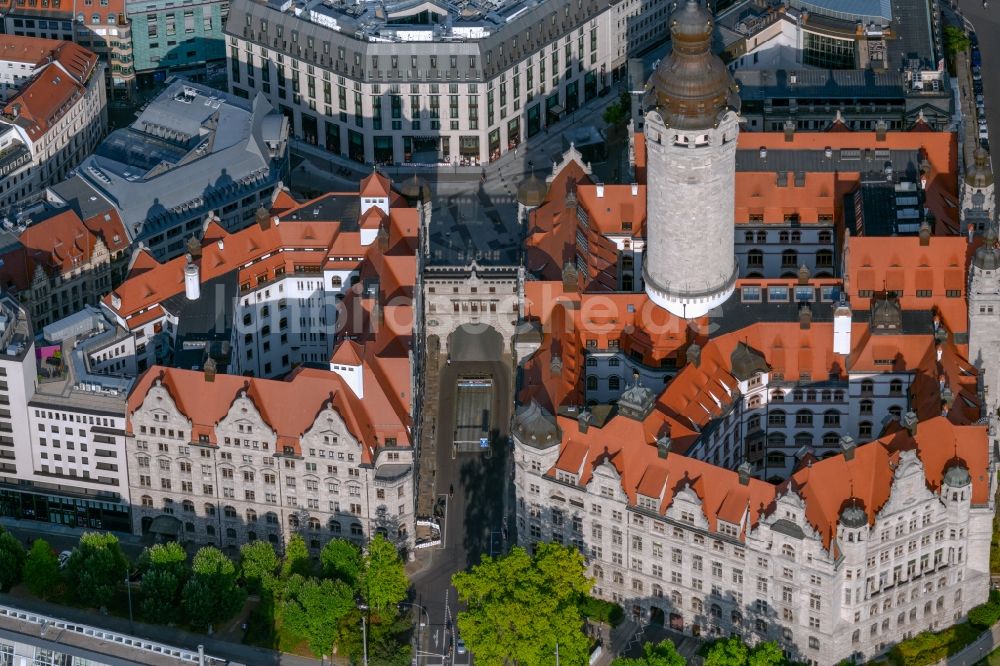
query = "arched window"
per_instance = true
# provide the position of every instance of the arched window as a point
(748, 236)
(209, 509)
(293, 521)
(775, 439)
(273, 538)
(230, 532)
(803, 417)
(811, 395)
(697, 605)
(755, 259)
(838, 396)
(895, 412)
(251, 516)
(796, 236)
(147, 500)
(797, 395)
(189, 527)
(825, 237)
(777, 396)
(866, 407)
(865, 429)
(788, 551)
(676, 599)
(187, 506)
(789, 259)
(803, 439)
(753, 423)
(775, 459)
(782, 236)
(754, 401)
(657, 590)
(265, 312)
(867, 387)
(229, 511)
(761, 236)
(271, 518)
(314, 524)
(896, 387)
(831, 439)
(598, 573)
(826, 395)
(831, 418)
(356, 529)
(614, 383)
(591, 383)
(715, 610)
(336, 281)
(776, 418)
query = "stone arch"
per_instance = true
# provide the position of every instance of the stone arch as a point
(476, 342)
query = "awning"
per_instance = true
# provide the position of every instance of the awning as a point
(555, 109)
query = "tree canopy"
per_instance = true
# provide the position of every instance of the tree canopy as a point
(296, 558)
(97, 566)
(211, 594)
(165, 570)
(41, 569)
(383, 576)
(734, 652)
(258, 565)
(520, 606)
(341, 560)
(661, 654)
(12, 557)
(313, 609)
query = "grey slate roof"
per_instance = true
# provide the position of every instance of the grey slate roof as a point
(188, 143)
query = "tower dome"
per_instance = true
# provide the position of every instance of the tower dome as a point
(852, 514)
(691, 86)
(980, 175)
(987, 257)
(956, 474)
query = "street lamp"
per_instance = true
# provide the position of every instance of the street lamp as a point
(128, 591)
(364, 631)
(420, 623)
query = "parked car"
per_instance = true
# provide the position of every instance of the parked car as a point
(984, 133)
(977, 87)
(977, 58)
(973, 38)
(460, 646)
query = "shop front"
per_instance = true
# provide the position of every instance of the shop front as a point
(513, 133)
(572, 96)
(383, 150)
(553, 111)
(356, 146)
(420, 150)
(590, 86)
(468, 150)
(534, 120)
(310, 129)
(62, 510)
(494, 145)
(333, 137)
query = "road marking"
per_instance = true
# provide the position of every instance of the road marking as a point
(444, 523)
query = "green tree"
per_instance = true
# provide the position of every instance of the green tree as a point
(520, 606)
(97, 566)
(296, 558)
(619, 113)
(211, 594)
(955, 40)
(766, 654)
(12, 558)
(165, 572)
(383, 576)
(661, 654)
(341, 560)
(728, 652)
(387, 638)
(41, 570)
(313, 609)
(258, 565)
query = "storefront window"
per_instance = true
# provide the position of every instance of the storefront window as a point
(468, 148)
(534, 120)
(494, 144)
(513, 133)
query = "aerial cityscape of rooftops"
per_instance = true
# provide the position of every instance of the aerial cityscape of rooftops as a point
(626, 333)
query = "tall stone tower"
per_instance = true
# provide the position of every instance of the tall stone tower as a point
(692, 121)
(984, 320)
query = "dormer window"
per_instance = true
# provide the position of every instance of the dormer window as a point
(728, 529)
(648, 503)
(566, 477)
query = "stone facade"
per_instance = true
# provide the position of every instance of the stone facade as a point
(921, 565)
(241, 483)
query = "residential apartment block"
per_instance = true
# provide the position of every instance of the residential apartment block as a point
(54, 114)
(102, 28)
(431, 83)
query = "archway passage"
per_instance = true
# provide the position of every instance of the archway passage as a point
(475, 343)
(656, 616)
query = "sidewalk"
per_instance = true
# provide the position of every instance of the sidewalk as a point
(236, 653)
(976, 651)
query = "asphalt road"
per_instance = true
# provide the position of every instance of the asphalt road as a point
(986, 23)
(474, 514)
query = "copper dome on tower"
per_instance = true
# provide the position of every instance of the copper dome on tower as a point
(691, 87)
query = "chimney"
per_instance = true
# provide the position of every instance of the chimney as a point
(881, 129)
(805, 317)
(263, 219)
(192, 281)
(570, 278)
(847, 447)
(635, 189)
(583, 419)
(910, 422)
(221, 243)
(210, 370)
(842, 320)
(744, 471)
(194, 247)
(383, 238)
(925, 233)
(763, 152)
(789, 130)
(663, 445)
(600, 190)
(694, 354)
